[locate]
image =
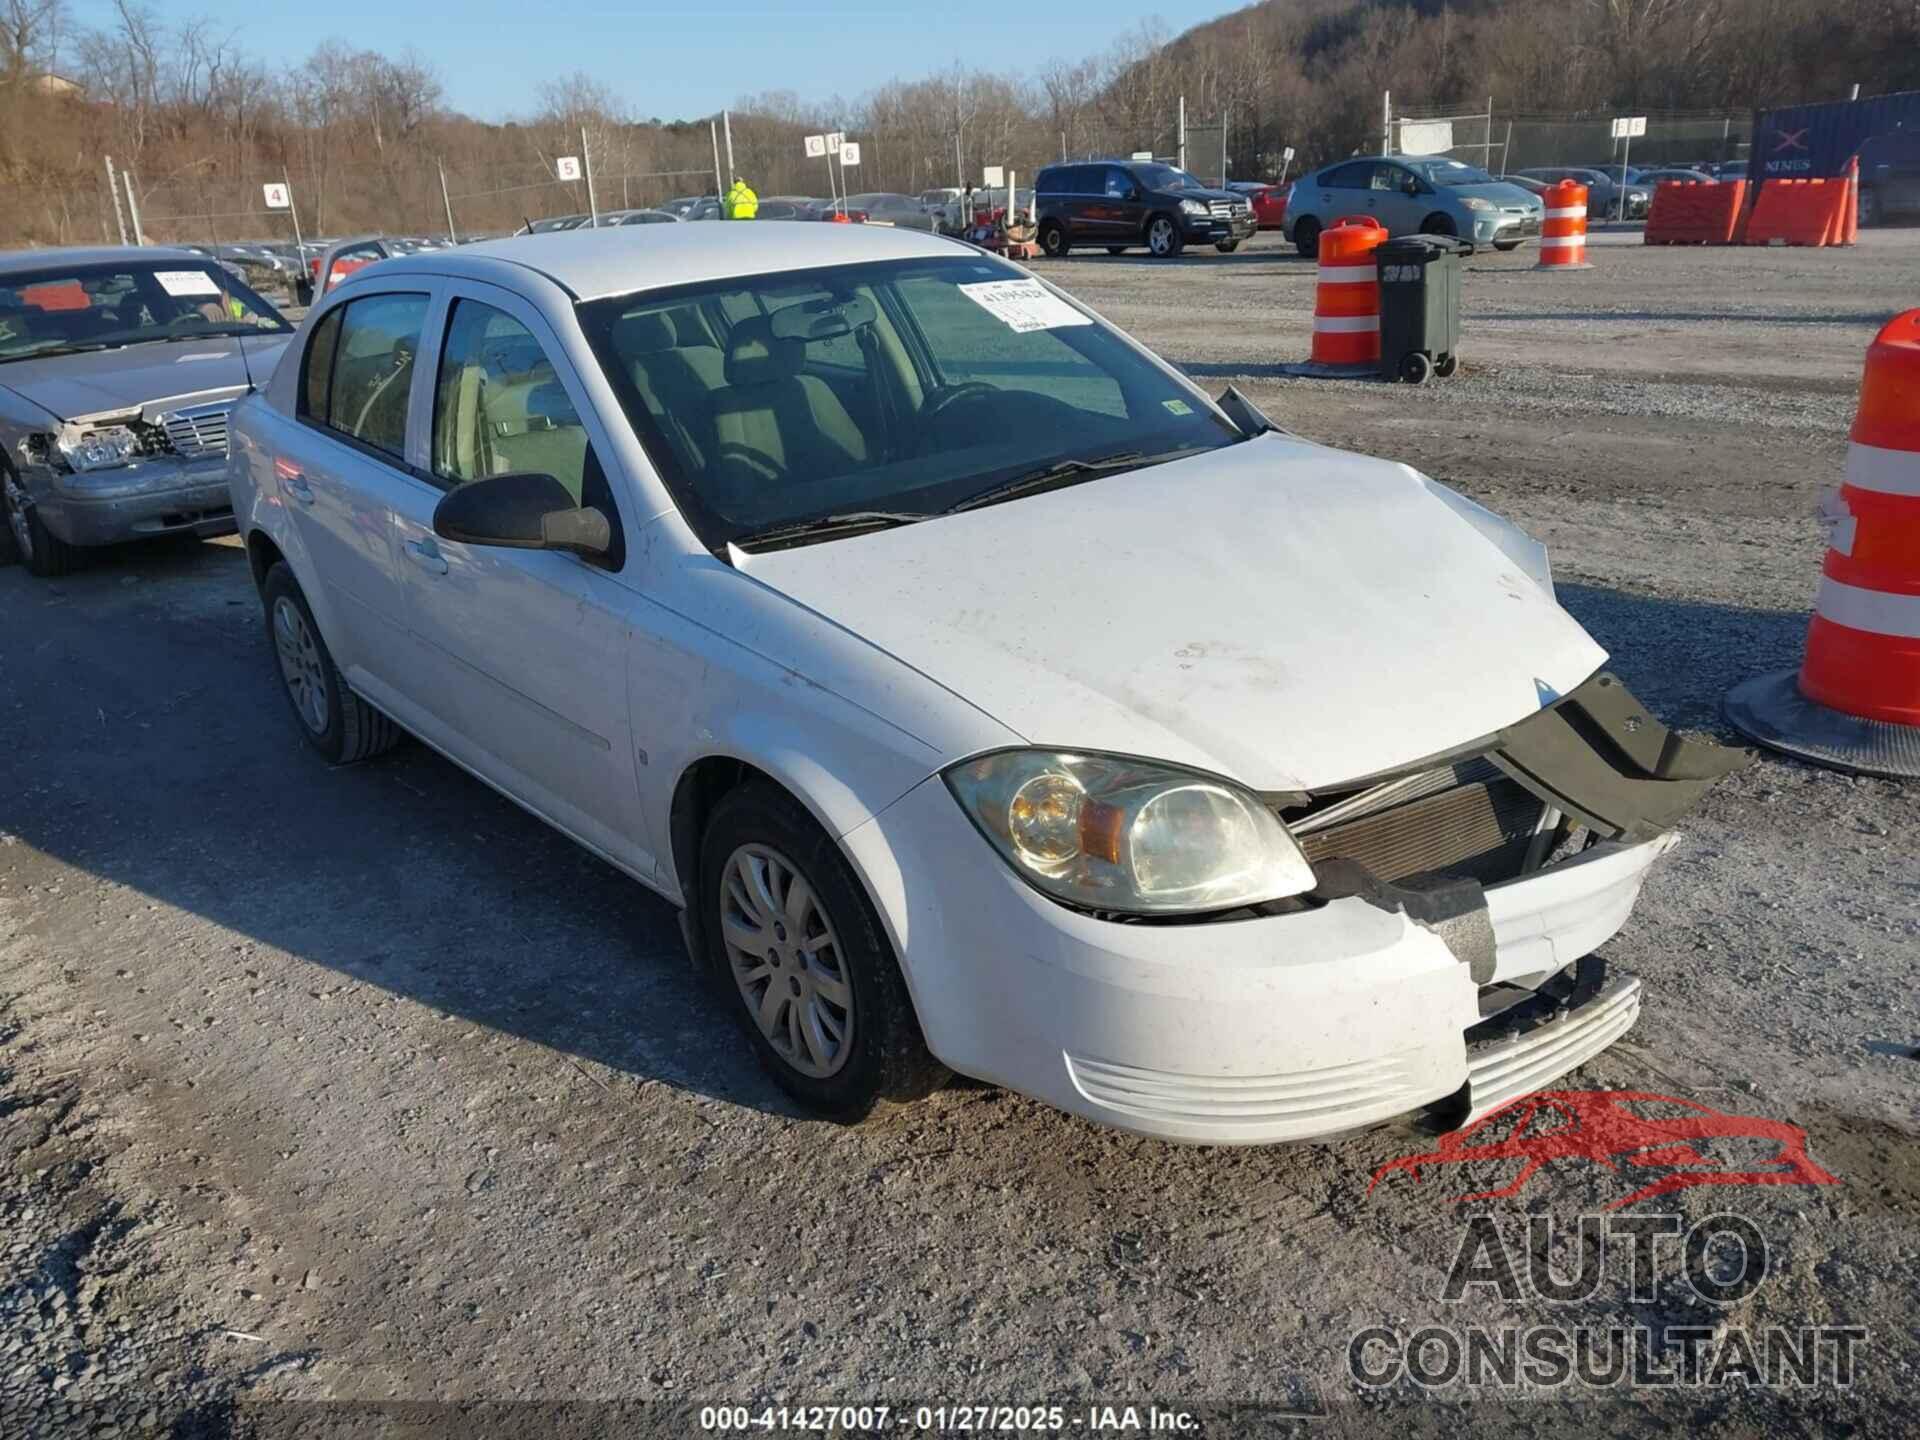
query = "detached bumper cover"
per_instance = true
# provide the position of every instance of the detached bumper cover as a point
(160, 496)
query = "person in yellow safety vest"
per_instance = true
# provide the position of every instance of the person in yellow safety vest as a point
(742, 203)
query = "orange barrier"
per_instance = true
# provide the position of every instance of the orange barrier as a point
(1799, 212)
(1563, 235)
(1695, 212)
(1856, 702)
(1346, 306)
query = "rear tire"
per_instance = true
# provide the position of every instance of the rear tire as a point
(1868, 208)
(24, 537)
(828, 965)
(1446, 365)
(1415, 367)
(1306, 236)
(1053, 239)
(334, 720)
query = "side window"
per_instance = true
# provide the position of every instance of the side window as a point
(1119, 183)
(316, 375)
(499, 407)
(1356, 176)
(376, 341)
(1389, 177)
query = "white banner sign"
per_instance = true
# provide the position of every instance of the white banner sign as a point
(992, 175)
(849, 154)
(1287, 154)
(1629, 127)
(1141, 155)
(278, 196)
(567, 167)
(1426, 137)
(816, 146)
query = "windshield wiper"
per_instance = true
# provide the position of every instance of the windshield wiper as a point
(827, 527)
(1064, 472)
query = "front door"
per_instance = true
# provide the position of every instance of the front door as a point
(524, 652)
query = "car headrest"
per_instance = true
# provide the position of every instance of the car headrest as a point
(646, 333)
(755, 357)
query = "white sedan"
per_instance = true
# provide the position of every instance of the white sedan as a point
(988, 698)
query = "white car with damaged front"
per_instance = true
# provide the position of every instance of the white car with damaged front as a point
(988, 698)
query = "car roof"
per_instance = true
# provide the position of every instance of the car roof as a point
(18, 261)
(623, 260)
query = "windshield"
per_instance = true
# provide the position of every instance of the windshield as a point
(1448, 172)
(1165, 177)
(61, 310)
(909, 386)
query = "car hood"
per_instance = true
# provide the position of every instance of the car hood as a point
(1499, 193)
(97, 382)
(1288, 615)
(1209, 195)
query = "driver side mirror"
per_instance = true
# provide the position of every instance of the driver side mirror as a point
(522, 512)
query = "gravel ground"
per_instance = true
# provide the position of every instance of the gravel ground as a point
(362, 1086)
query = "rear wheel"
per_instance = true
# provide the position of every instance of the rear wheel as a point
(794, 942)
(1053, 239)
(42, 552)
(1415, 367)
(1446, 365)
(1164, 238)
(335, 721)
(1869, 206)
(1306, 236)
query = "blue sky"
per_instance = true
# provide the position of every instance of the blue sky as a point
(679, 60)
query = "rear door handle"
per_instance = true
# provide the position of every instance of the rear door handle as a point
(427, 556)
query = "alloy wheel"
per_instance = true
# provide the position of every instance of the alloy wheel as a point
(300, 664)
(16, 508)
(786, 960)
(1160, 237)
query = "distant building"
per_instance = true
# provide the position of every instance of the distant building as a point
(48, 83)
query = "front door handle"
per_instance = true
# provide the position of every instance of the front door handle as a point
(294, 481)
(427, 556)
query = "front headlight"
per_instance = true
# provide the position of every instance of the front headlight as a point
(1193, 207)
(1110, 833)
(100, 449)
(1474, 202)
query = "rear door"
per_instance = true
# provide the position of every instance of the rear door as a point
(522, 653)
(341, 484)
(1343, 190)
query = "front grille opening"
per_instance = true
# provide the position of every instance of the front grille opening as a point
(1462, 821)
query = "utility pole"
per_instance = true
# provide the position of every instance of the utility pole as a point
(586, 160)
(726, 126)
(293, 210)
(1180, 139)
(445, 199)
(719, 187)
(133, 208)
(113, 188)
(1386, 122)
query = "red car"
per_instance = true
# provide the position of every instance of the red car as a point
(1269, 203)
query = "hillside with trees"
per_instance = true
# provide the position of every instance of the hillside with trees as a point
(364, 138)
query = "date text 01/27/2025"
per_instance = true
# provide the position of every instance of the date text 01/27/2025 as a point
(949, 1419)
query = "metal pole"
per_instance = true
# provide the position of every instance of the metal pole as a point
(1626, 150)
(133, 208)
(1225, 112)
(1386, 122)
(1506, 145)
(959, 165)
(445, 200)
(726, 124)
(1286, 164)
(113, 188)
(1180, 137)
(713, 134)
(1855, 95)
(299, 245)
(586, 161)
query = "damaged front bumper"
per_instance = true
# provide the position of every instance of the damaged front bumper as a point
(1370, 1000)
(156, 495)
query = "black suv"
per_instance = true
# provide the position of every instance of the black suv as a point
(1124, 203)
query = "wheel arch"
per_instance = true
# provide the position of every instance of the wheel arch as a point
(262, 555)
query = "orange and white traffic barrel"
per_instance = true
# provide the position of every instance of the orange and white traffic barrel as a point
(1855, 703)
(1346, 305)
(1563, 229)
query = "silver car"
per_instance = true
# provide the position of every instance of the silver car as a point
(1413, 194)
(117, 370)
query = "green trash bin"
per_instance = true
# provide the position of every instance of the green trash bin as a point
(1419, 306)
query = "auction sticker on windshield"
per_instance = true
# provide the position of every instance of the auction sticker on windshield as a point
(1023, 305)
(181, 283)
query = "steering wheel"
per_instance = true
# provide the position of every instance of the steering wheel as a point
(949, 395)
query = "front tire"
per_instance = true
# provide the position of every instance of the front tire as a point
(1053, 239)
(800, 956)
(1164, 238)
(334, 720)
(1306, 236)
(1438, 225)
(27, 537)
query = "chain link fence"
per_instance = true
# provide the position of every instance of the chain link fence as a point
(1502, 141)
